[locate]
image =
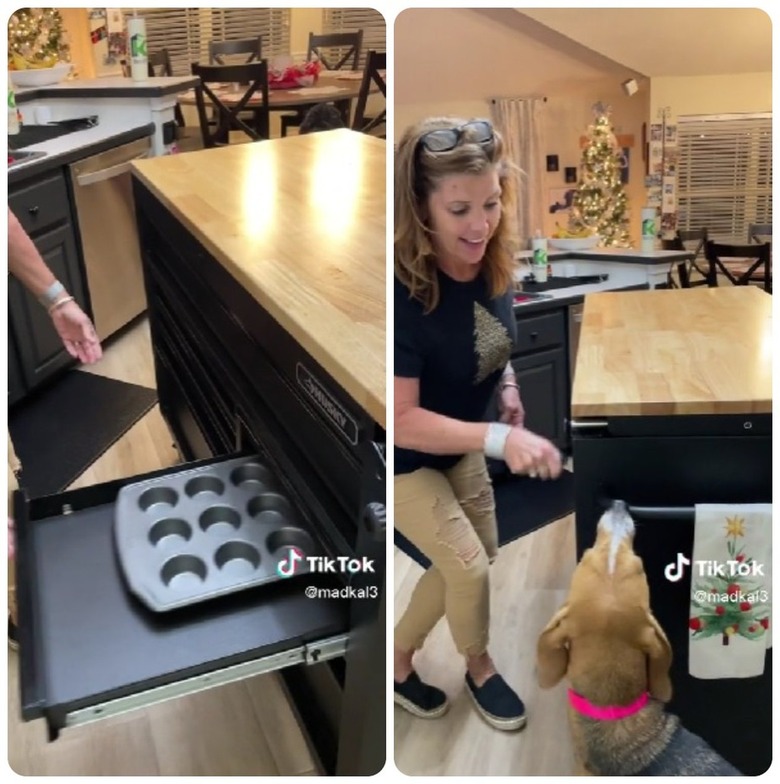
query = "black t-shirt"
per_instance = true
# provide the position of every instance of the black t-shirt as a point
(458, 351)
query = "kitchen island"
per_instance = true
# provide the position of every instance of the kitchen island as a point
(671, 407)
(264, 267)
(265, 272)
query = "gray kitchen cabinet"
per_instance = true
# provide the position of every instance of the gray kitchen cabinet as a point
(15, 380)
(541, 363)
(42, 207)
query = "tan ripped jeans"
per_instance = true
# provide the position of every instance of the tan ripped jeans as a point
(450, 516)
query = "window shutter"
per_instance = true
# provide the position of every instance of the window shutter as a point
(186, 32)
(724, 176)
(350, 20)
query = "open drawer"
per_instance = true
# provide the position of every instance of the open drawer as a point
(89, 649)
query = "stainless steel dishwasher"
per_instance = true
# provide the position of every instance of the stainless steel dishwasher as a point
(103, 198)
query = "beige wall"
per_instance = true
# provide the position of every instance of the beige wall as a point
(475, 56)
(712, 94)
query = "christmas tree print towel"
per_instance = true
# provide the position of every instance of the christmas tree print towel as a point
(731, 587)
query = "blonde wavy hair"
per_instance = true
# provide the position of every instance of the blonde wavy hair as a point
(418, 172)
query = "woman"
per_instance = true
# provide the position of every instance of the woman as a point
(78, 336)
(454, 332)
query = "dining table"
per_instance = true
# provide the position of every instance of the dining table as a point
(336, 86)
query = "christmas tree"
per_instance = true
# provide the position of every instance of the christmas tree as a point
(36, 38)
(730, 603)
(600, 203)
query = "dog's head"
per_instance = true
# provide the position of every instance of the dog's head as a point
(605, 639)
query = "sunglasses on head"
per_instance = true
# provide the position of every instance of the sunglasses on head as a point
(445, 139)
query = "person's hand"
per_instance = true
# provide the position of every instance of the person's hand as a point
(11, 539)
(511, 407)
(527, 453)
(77, 333)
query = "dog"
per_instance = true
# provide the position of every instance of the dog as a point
(616, 658)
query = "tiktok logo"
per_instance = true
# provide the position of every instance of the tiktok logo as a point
(675, 570)
(286, 567)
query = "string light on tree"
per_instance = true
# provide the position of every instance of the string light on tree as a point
(36, 38)
(600, 202)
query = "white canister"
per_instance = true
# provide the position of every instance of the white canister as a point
(539, 258)
(139, 61)
(649, 229)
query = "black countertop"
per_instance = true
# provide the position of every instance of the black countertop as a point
(156, 87)
(51, 161)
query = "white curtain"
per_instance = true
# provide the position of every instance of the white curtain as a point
(518, 120)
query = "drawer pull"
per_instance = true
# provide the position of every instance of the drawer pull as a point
(534, 335)
(33, 210)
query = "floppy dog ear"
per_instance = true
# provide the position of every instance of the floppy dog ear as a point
(552, 651)
(659, 653)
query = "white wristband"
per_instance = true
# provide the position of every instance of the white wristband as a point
(49, 297)
(495, 439)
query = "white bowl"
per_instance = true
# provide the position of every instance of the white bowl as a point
(574, 243)
(39, 77)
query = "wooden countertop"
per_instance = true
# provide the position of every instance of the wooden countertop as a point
(678, 351)
(300, 223)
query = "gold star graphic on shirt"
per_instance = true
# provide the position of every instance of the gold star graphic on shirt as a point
(492, 343)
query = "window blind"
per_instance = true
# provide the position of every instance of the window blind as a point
(349, 20)
(186, 32)
(724, 174)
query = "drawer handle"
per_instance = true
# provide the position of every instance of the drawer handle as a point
(33, 210)
(534, 335)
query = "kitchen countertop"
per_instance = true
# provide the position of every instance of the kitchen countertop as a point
(619, 277)
(108, 87)
(675, 351)
(623, 255)
(300, 223)
(75, 146)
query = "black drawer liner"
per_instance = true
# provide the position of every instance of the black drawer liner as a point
(84, 639)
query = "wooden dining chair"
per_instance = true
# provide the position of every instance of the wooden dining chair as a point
(251, 47)
(375, 62)
(159, 64)
(334, 51)
(228, 118)
(695, 271)
(760, 232)
(741, 265)
(347, 44)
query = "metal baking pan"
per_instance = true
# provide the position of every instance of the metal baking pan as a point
(197, 534)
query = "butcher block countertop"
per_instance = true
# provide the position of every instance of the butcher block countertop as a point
(300, 223)
(676, 351)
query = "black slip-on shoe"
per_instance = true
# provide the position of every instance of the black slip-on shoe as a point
(13, 640)
(497, 703)
(420, 699)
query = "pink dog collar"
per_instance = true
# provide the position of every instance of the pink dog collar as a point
(608, 712)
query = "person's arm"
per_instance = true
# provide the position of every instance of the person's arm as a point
(25, 262)
(425, 431)
(73, 326)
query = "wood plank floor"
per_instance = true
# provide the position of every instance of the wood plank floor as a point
(246, 728)
(529, 580)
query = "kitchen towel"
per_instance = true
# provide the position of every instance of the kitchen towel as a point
(731, 583)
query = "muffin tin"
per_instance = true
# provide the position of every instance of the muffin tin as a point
(205, 532)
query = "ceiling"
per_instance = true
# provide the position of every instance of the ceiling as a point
(657, 42)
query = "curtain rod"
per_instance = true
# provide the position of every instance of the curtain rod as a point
(515, 98)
